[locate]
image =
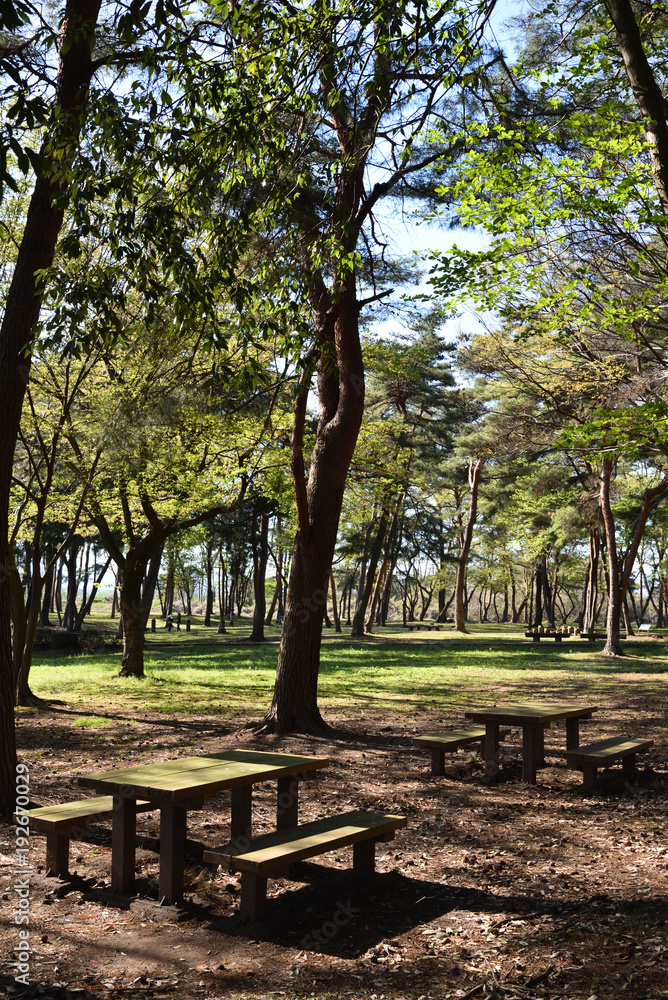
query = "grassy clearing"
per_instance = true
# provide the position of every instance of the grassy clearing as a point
(205, 674)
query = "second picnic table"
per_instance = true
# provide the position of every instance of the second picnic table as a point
(178, 785)
(534, 719)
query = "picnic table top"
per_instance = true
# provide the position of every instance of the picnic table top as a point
(540, 713)
(188, 777)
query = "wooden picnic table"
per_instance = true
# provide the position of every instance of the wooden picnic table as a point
(178, 785)
(534, 719)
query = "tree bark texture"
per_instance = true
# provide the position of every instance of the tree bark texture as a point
(646, 91)
(43, 223)
(319, 499)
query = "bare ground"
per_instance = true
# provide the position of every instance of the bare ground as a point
(503, 891)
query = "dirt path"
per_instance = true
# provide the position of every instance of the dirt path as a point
(503, 891)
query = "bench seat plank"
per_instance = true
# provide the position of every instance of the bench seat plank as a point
(589, 758)
(274, 850)
(612, 749)
(60, 822)
(269, 855)
(63, 817)
(449, 742)
(455, 738)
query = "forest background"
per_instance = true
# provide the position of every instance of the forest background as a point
(192, 238)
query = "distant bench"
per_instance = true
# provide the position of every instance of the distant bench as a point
(61, 823)
(589, 758)
(423, 627)
(268, 856)
(558, 636)
(442, 743)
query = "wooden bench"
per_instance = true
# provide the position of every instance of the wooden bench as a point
(558, 636)
(61, 823)
(423, 627)
(269, 855)
(442, 743)
(589, 758)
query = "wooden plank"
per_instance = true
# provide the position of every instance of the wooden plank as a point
(274, 850)
(509, 714)
(615, 747)
(455, 737)
(217, 774)
(67, 815)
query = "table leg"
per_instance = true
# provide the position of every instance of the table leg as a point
(287, 802)
(572, 733)
(242, 805)
(123, 838)
(172, 851)
(532, 751)
(491, 749)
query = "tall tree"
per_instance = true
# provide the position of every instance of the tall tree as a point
(382, 74)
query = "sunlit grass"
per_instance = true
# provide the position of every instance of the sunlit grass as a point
(199, 672)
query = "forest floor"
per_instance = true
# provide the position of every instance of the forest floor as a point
(501, 891)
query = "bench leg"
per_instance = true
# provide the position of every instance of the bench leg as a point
(535, 638)
(253, 895)
(491, 750)
(57, 853)
(123, 837)
(572, 733)
(287, 811)
(438, 762)
(287, 802)
(532, 752)
(364, 857)
(588, 777)
(172, 852)
(242, 805)
(629, 766)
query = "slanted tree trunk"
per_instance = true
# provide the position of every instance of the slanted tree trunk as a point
(474, 473)
(22, 306)
(319, 499)
(646, 90)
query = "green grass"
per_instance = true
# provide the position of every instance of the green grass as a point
(202, 673)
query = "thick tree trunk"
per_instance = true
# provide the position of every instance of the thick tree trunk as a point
(319, 500)
(646, 91)
(475, 471)
(22, 306)
(130, 604)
